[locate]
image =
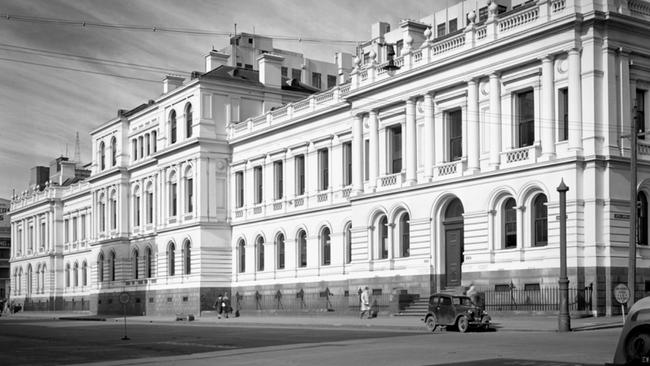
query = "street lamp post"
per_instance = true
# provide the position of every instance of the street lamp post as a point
(564, 320)
(631, 270)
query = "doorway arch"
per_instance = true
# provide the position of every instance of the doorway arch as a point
(452, 235)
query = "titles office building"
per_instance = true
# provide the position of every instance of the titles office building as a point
(432, 174)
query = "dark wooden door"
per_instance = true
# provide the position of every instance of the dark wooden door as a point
(453, 253)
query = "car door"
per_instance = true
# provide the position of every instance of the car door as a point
(445, 310)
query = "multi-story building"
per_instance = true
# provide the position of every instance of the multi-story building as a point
(437, 165)
(431, 164)
(5, 245)
(151, 217)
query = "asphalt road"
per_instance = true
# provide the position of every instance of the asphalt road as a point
(31, 342)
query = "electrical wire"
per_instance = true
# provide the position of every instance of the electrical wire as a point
(79, 70)
(155, 28)
(101, 61)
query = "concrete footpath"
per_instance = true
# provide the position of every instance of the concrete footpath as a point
(500, 322)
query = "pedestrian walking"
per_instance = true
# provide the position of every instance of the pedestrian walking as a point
(219, 306)
(225, 304)
(365, 303)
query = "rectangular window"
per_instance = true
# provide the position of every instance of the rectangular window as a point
(441, 29)
(148, 144)
(300, 175)
(102, 216)
(295, 74)
(366, 162)
(239, 189)
(331, 81)
(190, 194)
(323, 169)
(526, 118)
(141, 143)
(66, 230)
(149, 207)
(640, 112)
(278, 180)
(453, 25)
(113, 214)
(154, 141)
(134, 145)
(43, 235)
(74, 229)
(563, 114)
(284, 71)
(347, 163)
(257, 183)
(83, 227)
(31, 237)
(136, 211)
(455, 125)
(395, 149)
(173, 201)
(316, 80)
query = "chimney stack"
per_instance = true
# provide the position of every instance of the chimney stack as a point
(215, 59)
(270, 70)
(171, 82)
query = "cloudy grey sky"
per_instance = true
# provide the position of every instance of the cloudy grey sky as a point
(57, 79)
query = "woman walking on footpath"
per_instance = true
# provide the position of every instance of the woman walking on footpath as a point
(218, 306)
(365, 303)
(225, 304)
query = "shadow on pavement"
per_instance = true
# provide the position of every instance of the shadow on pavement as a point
(514, 362)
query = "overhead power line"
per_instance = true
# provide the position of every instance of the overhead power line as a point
(157, 28)
(79, 70)
(88, 59)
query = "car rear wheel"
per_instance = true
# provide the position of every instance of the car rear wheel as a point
(462, 324)
(431, 323)
(637, 345)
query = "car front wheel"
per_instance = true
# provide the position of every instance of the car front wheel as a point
(431, 323)
(462, 324)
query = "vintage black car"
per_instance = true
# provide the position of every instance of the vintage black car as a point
(455, 311)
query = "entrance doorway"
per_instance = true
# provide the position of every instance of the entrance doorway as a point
(453, 242)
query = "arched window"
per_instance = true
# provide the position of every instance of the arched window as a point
(75, 275)
(187, 254)
(188, 120)
(102, 156)
(113, 208)
(84, 274)
(509, 224)
(43, 283)
(259, 248)
(102, 213)
(173, 195)
(100, 268)
(67, 275)
(326, 246)
(642, 219)
(135, 263)
(147, 262)
(404, 235)
(38, 279)
(136, 207)
(149, 203)
(302, 249)
(171, 263)
(20, 281)
(382, 236)
(29, 279)
(172, 126)
(111, 267)
(189, 191)
(241, 251)
(279, 245)
(540, 221)
(113, 151)
(348, 242)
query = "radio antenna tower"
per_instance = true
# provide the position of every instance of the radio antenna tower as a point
(77, 150)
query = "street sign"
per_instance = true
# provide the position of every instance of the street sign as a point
(124, 298)
(622, 293)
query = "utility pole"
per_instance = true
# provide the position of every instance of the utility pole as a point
(631, 270)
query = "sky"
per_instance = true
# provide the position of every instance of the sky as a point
(59, 77)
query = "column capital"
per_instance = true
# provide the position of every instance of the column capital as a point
(358, 113)
(472, 80)
(495, 74)
(547, 58)
(409, 100)
(574, 50)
